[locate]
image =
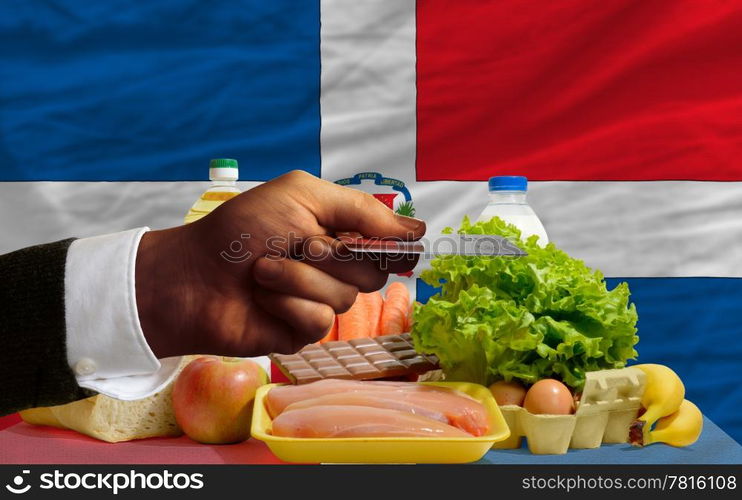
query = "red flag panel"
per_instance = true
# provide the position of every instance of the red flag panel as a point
(579, 90)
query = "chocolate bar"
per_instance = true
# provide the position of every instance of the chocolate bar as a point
(388, 356)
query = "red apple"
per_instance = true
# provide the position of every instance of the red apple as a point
(213, 398)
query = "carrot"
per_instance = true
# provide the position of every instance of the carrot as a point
(332, 334)
(410, 319)
(362, 319)
(374, 306)
(396, 309)
(351, 323)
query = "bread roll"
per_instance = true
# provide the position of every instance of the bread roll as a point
(113, 420)
(41, 416)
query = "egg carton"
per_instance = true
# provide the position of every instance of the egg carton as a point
(610, 401)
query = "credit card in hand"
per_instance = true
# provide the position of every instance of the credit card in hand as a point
(482, 245)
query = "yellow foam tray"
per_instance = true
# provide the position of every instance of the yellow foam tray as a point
(384, 449)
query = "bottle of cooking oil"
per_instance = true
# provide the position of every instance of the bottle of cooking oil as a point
(223, 173)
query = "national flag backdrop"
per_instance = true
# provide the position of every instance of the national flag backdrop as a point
(626, 115)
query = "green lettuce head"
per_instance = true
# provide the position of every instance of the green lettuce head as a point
(545, 315)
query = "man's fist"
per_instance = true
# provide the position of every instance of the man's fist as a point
(263, 272)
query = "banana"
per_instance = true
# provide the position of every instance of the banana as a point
(663, 394)
(682, 428)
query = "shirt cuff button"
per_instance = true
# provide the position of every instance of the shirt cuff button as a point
(85, 366)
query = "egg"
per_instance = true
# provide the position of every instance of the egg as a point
(508, 393)
(549, 397)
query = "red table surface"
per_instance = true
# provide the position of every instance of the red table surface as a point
(22, 443)
(9, 420)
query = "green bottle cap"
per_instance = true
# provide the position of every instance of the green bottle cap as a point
(223, 163)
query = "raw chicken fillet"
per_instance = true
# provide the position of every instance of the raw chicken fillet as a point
(434, 404)
(358, 421)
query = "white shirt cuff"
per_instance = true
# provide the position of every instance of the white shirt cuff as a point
(106, 348)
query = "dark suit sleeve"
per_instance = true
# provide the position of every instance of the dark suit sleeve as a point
(33, 358)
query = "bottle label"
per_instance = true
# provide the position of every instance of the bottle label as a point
(218, 196)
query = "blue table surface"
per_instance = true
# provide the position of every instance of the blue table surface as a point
(713, 447)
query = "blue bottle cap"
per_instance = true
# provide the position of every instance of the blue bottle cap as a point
(508, 183)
